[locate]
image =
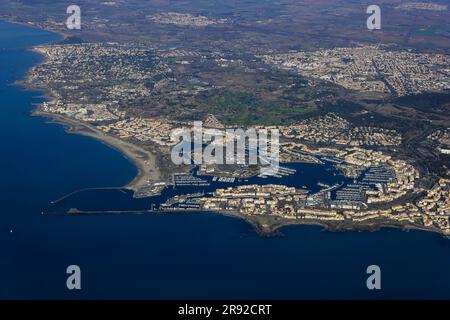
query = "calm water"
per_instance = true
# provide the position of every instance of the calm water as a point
(307, 176)
(173, 256)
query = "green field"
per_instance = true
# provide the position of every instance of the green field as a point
(240, 108)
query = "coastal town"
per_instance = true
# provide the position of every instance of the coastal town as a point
(332, 128)
(380, 187)
(123, 75)
(183, 19)
(295, 205)
(370, 68)
(241, 150)
(371, 198)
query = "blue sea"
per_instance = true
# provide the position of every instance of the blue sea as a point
(177, 256)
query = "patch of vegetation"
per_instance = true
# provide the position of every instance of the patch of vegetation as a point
(341, 106)
(424, 102)
(241, 108)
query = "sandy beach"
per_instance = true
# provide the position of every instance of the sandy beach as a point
(144, 160)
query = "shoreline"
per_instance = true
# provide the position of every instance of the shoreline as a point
(148, 172)
(341, 226)
(278, 223)
(140, 158)
(143, 160)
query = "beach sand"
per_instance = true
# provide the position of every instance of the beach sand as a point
(144, 160)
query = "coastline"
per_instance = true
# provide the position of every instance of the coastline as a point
(272, 226)
(32, 26)
(278, 223)
(147, 172)
(143, 160)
